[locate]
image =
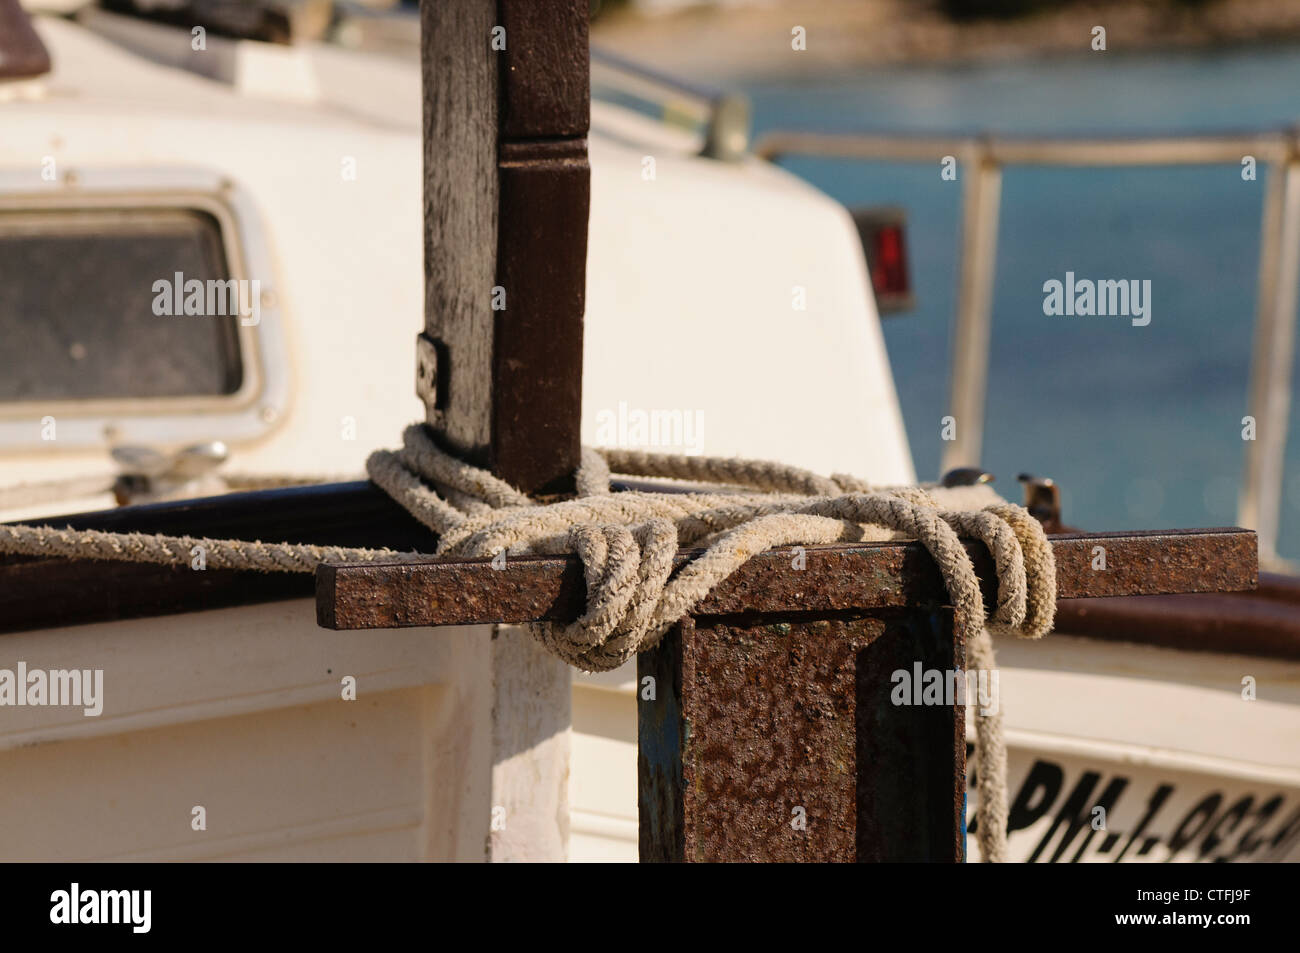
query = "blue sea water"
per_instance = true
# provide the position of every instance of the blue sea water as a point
(1140, 425)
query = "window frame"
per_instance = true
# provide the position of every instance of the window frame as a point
(248, 414)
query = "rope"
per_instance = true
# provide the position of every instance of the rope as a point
(47, 541)
(627, 543)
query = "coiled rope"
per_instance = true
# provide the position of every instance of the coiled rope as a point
(627, 542)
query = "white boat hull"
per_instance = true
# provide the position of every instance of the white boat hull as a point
(241, 712)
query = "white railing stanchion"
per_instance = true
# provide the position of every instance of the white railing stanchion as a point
(1270, 377)
(974, 316)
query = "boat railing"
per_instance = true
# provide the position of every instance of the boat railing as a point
(981, 160)
(723, 115)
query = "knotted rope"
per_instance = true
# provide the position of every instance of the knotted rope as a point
(627, 543)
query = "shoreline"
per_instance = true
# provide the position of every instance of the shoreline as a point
(745, 42)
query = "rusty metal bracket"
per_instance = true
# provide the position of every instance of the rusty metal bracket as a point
(427, 381)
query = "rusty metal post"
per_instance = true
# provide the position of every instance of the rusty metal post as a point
(775, 739)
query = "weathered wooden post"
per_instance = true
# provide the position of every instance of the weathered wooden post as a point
(506, 194)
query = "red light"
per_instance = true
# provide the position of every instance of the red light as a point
(889, 263)
(883, 230)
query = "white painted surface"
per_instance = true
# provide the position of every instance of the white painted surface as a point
(530, 744)
(241, 711)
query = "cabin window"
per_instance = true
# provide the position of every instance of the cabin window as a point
(79, 318)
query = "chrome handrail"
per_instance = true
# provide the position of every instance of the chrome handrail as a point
(982, 160)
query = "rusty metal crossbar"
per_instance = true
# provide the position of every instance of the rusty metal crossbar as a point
(432, 592)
